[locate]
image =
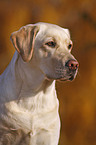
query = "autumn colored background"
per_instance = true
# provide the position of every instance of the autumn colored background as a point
(77, 98)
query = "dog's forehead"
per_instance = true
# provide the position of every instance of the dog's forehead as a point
(53, 31)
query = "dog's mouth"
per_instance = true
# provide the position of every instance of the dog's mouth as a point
(67, 72)
(63, 73)
(71, 78)
(67, 78)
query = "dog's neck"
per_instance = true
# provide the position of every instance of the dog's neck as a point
(33, 79)
(35, 87)
(28, 89)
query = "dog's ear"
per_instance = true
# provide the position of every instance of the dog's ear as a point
(67, 32)
(23, 41)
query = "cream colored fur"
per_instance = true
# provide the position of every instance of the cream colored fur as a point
(28, 100)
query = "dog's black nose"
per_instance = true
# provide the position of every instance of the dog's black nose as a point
(72, 64)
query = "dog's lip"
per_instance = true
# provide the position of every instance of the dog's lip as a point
(62, 78)
(69, 78)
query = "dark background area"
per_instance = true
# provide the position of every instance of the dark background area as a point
(77, 98)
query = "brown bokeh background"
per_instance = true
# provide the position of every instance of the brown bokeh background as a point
(77, 98)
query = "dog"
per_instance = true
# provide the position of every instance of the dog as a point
(28, 101)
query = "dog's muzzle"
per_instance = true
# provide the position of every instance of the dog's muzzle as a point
(67, 71)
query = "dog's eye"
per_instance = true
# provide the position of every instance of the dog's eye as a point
(51, 44)
(70, 46)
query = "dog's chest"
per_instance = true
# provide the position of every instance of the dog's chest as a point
(37, 121)
(31, 120)
(37, 128)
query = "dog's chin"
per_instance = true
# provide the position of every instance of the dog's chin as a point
(69, 77)
(61, 79)
(66, 79)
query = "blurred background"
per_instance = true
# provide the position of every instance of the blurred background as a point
(77, 98)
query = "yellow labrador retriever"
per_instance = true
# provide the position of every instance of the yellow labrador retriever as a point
(28, 100)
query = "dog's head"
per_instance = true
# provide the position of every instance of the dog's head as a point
(50, 47)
